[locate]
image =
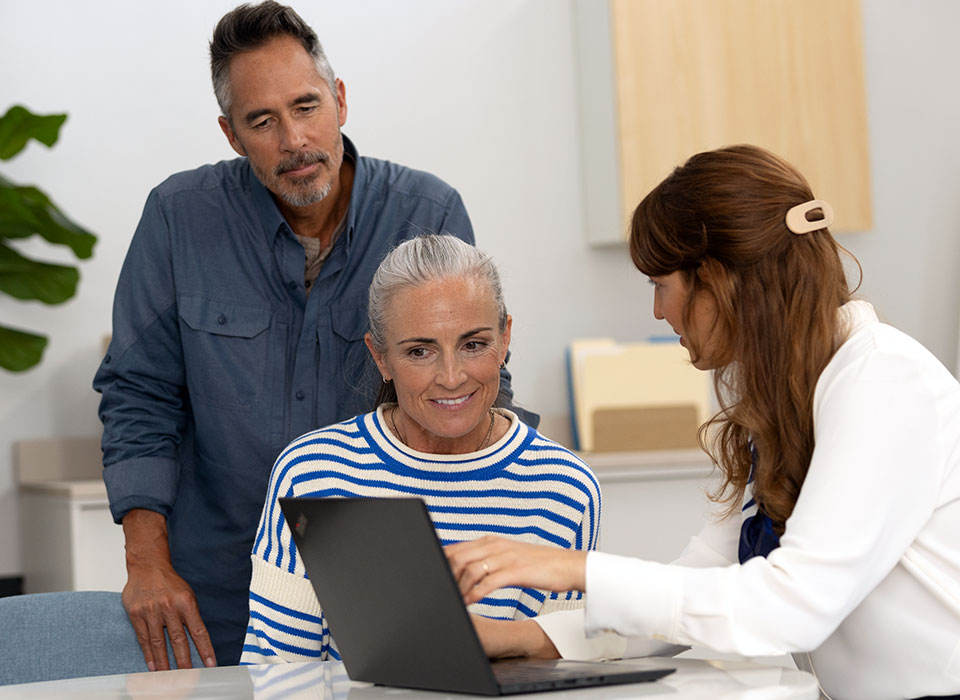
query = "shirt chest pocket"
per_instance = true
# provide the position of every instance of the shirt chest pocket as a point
(226, 351)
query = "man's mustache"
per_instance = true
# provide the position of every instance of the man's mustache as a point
(301, 160)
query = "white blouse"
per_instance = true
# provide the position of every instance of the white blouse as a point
(867, 575)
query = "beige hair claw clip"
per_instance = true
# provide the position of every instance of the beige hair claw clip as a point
(798, 222)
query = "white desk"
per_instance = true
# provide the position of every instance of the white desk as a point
(695, 679)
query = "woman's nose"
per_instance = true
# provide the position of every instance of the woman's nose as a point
(657, 312)
(450, 374)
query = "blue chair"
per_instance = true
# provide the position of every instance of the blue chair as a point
(50, 636)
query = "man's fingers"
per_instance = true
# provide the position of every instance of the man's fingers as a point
(157, 641)
(201, 638)
(143, 639)
(178, 642)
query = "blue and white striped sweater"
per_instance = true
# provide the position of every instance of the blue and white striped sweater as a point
(524, 486)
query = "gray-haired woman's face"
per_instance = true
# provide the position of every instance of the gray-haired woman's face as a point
(443, 353)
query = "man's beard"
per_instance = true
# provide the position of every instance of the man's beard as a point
(297, 192)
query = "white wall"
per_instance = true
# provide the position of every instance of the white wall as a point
(483, 94)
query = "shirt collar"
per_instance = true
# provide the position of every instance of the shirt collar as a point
(270, 216)
(359, 185)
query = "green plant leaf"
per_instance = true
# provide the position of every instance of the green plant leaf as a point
(25, 211)
(24, 278)
(19, 350)
(19, 125)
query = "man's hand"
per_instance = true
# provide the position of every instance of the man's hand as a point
(489, 563)
(157, 598)
(509, 638)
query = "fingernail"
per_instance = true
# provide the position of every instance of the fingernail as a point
(151, 666)
(209, 662)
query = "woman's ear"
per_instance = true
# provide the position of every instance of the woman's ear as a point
(377, 357)
(505, 339)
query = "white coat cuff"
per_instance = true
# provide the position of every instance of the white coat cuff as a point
(565, 630)
(632, 597)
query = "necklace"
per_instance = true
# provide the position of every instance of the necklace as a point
(393, 423)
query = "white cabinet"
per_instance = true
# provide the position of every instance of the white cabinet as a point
(69, 541)
(653, 501)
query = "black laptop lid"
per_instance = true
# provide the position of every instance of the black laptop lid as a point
(360, 554)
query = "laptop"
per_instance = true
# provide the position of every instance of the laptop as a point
(395, 611)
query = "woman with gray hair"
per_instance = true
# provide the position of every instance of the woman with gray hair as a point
(439, 333)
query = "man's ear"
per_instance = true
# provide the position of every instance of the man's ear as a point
(377, 357)
(341, 102)
(231, 136)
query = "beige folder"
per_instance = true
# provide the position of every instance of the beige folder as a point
(630, 396)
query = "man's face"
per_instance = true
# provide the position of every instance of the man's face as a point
(285, 120)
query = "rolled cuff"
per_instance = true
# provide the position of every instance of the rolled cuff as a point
(632, 597)
(566, 630)
(143, 482)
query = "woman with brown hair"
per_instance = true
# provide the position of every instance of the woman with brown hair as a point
(838, 439)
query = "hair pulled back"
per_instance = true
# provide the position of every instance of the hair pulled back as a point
(720, 220)
(420, 260)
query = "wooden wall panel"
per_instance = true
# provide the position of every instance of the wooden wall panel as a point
(692, 75)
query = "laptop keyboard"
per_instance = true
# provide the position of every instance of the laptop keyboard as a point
(529, 671)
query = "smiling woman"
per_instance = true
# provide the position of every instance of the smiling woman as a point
(439, 333)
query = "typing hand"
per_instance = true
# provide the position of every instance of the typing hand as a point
(484, 565)
(508, 638)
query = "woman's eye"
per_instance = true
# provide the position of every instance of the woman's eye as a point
(474, 345)
(417, 352)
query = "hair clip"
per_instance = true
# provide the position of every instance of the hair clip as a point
(798, 222)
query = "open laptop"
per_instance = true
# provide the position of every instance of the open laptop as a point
(395, 611)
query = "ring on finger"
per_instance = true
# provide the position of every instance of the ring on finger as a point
(483, 565)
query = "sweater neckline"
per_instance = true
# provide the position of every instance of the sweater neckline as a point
(384, 441)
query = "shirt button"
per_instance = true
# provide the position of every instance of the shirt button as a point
(221, 319)
(292, 284)
(307, 283)
(299, 396)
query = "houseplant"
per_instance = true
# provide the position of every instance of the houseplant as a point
(26, 211)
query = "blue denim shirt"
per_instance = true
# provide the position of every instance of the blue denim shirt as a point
(219, 359)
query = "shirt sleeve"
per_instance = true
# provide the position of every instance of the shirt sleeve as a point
(141, 377)
(286, 623)
(876, 440)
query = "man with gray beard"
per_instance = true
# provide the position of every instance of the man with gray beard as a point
(238, 325)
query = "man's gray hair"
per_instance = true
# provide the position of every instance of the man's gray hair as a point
(249, 27)
(426, 259)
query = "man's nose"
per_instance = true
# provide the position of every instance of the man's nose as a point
(292, 136)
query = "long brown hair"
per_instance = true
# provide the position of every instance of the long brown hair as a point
(720, 220)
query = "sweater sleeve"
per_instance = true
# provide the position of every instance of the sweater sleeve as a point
(286, 623)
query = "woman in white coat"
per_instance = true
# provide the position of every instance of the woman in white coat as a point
(838, 439)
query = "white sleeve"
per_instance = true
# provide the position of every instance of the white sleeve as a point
(715, 545)
(566, 630)
(875, 442)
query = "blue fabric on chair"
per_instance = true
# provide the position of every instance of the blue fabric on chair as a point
(49, 636)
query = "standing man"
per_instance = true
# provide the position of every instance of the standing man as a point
(238, 325)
